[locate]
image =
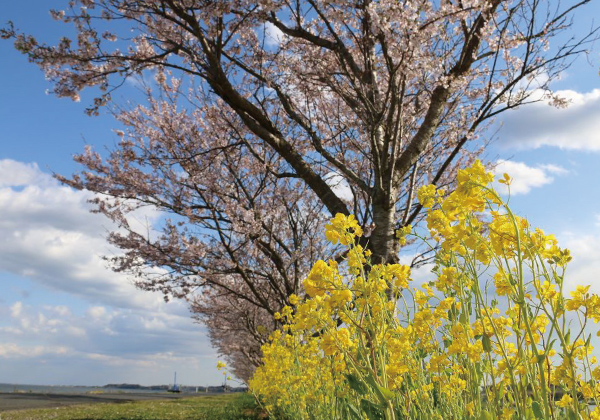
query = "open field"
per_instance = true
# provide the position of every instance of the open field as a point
(127, 407)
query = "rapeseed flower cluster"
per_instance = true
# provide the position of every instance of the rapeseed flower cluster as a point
(491, 336)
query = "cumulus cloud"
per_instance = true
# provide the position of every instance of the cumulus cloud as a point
(585, 267)
(576, 127)
(17, 174)
(525, 177)
(14, 350)
(114, 332)
(48, 234)
(44, 365)
(115, 342)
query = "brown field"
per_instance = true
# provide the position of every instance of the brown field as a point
(22, 401)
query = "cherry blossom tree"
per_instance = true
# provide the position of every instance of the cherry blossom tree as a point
(263, 119)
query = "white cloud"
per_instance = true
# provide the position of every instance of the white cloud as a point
(576, 127)
(48, 366)
(12, 350)
(119, 361)
(100, 330)
(114, 342)
(17, 174)
(273, 35)
(48, 234)
(554, 169)
(96, 312)
(525, 177)
(60, 310)
(339, 186)
(15, 309)
(584, 269)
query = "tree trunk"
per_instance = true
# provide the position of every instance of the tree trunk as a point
(382, 242)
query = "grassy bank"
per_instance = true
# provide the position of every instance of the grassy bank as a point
(221, 407)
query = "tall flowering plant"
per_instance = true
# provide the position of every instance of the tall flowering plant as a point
(491, 336)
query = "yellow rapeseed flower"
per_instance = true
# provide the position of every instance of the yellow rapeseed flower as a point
(342, 229)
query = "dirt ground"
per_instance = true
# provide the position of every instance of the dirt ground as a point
(21, 401)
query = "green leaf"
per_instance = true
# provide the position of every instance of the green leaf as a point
(389, 395)
(382, 392)
(541, 357)
(537, 410)
(487, 343)
(571, 415)
(501, 389)
(372, 410)
(550, 346)
(478, 370)
(587, 342)
(452, 312)
(485, 415)
(354, 413)
(356, 384)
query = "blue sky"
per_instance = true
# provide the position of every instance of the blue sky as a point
(66, 319)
